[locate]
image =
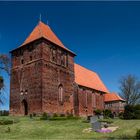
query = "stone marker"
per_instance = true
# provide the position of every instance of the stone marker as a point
(96, 125)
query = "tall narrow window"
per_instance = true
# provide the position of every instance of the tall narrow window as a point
(22, 61)
(86, 99)
(94, 100)
(30, 58)
(54, 54)
(64, 59)
(60, 95)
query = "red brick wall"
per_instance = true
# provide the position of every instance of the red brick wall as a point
(40, 78)
(89, 100)
(26, 78)
(54, 74)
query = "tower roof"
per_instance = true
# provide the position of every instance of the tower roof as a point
(44, 31)
(88, 78)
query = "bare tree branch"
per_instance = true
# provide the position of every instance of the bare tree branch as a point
(130, 89)
(4, 66)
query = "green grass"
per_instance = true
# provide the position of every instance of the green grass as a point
(63, 129)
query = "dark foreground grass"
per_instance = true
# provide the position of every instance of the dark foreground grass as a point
(35, 128)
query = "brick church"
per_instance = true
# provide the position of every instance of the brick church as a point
(44, 78)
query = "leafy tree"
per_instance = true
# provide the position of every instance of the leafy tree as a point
(130, 89)
(4, 66)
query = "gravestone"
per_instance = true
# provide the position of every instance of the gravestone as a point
(96, 125)
(93, 119)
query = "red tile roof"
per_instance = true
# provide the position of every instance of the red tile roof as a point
(112, 97)
(88, 78)
(43, 30)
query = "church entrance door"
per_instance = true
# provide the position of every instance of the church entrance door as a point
(25, 107)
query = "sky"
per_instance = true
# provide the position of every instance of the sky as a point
(104, 35)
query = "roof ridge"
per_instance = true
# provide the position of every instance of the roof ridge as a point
(40, 31)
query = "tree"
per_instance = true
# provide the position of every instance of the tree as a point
(130, 89)
(1, 87)
(5, 63)
(4, 66)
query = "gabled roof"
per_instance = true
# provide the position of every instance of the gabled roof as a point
(88, 78)
(44, 31)
(109, 97)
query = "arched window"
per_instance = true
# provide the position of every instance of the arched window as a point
(60, 94)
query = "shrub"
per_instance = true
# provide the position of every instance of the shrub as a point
(109, 121)
(132, 112)
(129, 112)
(58, 118)
(44, 116)
(70, 116)
(107, 113)
(31, 116)
(111, 115)
(62, 115)
(6, 122)
(4, 113)
(34, 114)
(138, 134)
(64, 118)
(97, 112)
(121, 114)
(73, 117)
(55, 115)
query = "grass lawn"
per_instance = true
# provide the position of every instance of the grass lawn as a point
(67, 129)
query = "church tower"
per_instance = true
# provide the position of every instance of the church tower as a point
(42, 75)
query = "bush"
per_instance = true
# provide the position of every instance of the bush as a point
(4, 112)
(44, 116)
(129, 112)
(58, 118)
(31, 116)
(62, 115)
(97, 112)
(109, 121)
(138, 134)
(64, 118)
(107, 113)
(70, 116)
(121, 114)
(73, 118)
(55, 115)
(34, 114)
(6, 122)
(132, 112)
